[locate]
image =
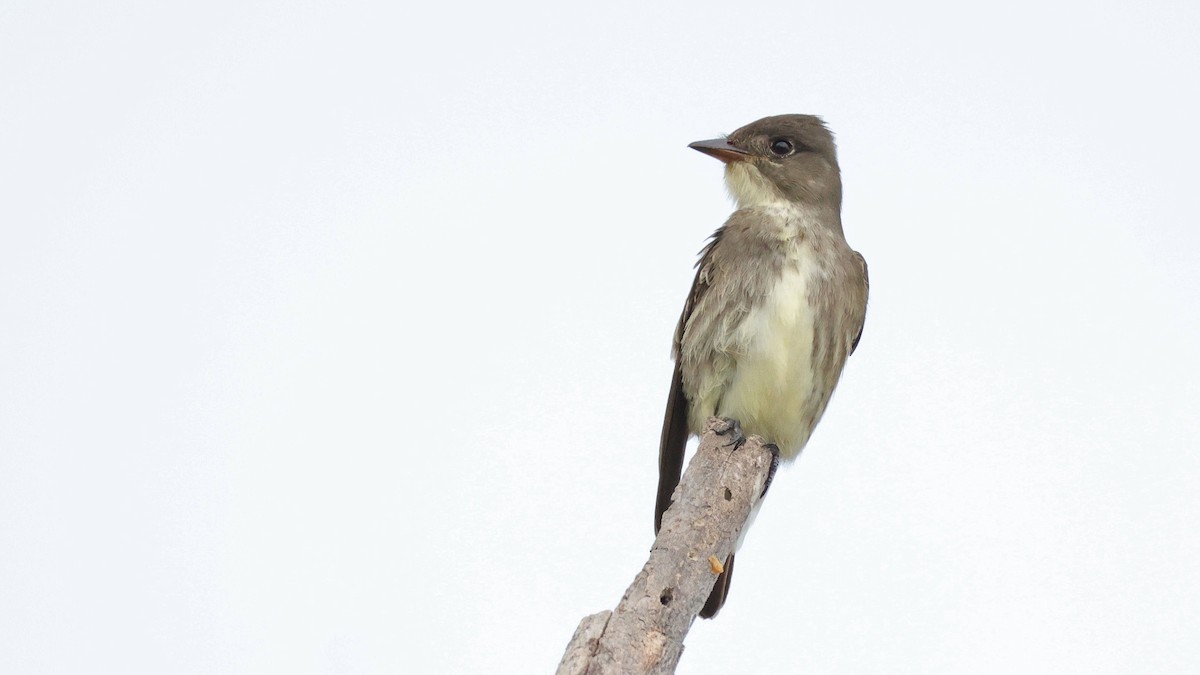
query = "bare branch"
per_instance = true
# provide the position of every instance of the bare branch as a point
(711, 506)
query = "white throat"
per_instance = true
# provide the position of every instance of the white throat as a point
(749, 187)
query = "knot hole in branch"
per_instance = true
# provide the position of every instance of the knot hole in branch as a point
(667, 595)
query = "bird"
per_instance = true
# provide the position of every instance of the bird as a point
(777, 306)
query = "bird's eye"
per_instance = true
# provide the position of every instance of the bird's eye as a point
(782, 147)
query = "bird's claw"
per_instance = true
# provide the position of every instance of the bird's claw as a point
(774, 467)
(734, 429)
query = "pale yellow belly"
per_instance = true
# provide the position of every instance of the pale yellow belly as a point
(769, 383)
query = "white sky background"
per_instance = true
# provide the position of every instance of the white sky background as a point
(335, 337)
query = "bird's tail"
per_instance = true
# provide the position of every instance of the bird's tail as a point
(719, 592)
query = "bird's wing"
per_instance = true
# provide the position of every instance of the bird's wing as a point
(671, 446)
(866, 291)
(675, 422)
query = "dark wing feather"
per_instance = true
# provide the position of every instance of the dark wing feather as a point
(866, 292)
(671, 447)
(675, 425)
(675, 422)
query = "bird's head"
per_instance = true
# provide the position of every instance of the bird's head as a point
(785, 158)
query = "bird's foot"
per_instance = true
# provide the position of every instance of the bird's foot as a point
(733, 429)
(774, 467)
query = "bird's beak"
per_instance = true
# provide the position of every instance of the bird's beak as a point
(721, 149)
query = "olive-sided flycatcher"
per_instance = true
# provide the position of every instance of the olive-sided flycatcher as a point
(777, 306)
